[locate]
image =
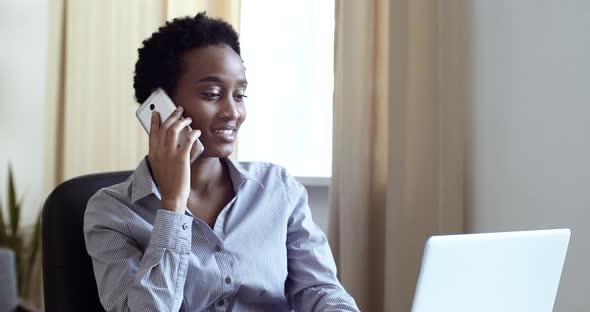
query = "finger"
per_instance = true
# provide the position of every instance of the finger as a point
(167, 123)
(174, 131)
(154, 131)
(190, 139)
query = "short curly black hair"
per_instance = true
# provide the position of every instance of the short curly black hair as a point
(159, 64)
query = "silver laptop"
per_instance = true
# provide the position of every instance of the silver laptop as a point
(495, 272)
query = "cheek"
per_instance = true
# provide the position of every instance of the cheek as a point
(242, 114)
(198, 117)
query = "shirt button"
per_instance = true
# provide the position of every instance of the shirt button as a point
(228, 280)
(185, 226)
(217, 248)
(220, 302)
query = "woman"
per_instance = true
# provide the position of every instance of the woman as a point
(214, 234)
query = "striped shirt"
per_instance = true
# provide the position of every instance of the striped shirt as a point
(264, 252)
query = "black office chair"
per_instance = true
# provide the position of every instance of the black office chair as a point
(68, 279)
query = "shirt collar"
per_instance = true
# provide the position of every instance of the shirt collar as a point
(144, 184)
(239, 174)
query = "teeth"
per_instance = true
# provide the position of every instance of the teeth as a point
(224, 132)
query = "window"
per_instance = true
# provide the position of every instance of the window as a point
(288, 51)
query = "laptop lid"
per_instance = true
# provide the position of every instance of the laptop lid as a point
(510, 271)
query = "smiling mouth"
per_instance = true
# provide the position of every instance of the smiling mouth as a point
(224, 132)
(225, 135)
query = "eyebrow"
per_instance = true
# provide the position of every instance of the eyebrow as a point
(219, 80)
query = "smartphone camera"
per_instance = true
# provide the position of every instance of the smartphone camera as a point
(152, 106)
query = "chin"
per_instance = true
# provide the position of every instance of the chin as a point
(218, 151)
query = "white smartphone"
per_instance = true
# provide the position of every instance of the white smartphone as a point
(160, 102)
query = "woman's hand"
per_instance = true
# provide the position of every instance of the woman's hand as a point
(170, 160)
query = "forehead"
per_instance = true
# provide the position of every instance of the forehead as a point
(215, 60)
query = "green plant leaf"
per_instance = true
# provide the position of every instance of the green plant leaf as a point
(18, 257)
(3, 234)
(13, 206)
(12, 237)
(33, 250)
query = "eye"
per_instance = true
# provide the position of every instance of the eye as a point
(211, 95)
(240, 96)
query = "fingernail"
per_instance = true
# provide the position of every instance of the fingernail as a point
(179, 108)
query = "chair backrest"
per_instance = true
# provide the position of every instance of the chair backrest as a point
(68, 279)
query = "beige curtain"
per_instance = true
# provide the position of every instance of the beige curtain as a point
(90, 125)
(399, 131)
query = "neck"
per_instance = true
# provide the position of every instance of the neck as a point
(206, 174)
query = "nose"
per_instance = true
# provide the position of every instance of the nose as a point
(229, 109)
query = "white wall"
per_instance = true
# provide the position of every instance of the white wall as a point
(530, 149)
(23, 81)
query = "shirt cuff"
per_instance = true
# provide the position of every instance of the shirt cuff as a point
(172, 231)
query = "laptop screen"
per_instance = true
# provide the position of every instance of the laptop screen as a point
(510, 271)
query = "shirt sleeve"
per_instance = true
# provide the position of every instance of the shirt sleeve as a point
(127, 278)
(311, 284)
